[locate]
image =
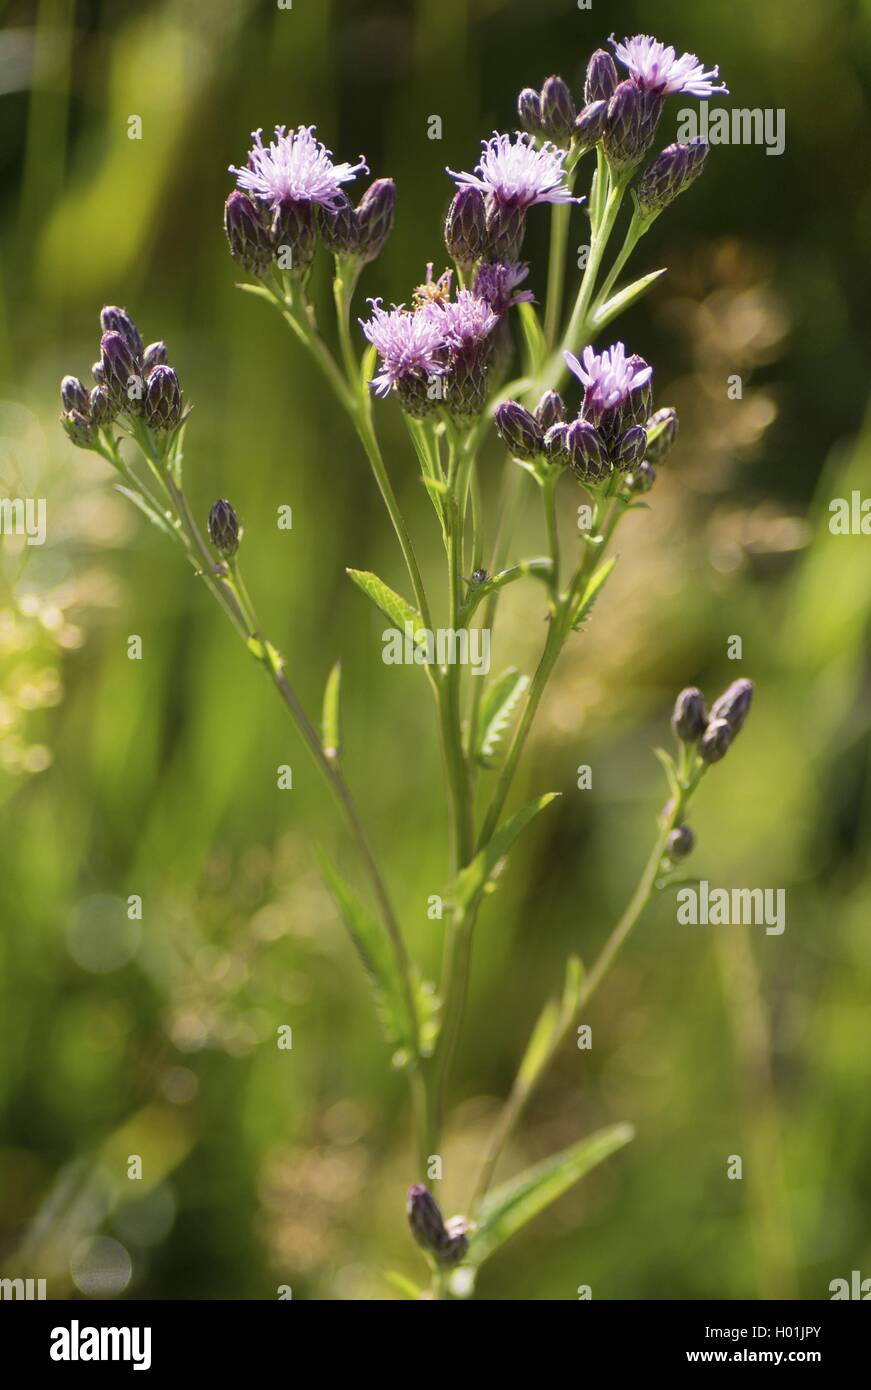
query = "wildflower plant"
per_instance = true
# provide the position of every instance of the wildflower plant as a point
(579, 414)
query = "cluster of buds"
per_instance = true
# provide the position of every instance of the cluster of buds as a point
(130, 380)
(714, 731)
(289, 197)
(614, 431)
(711, 733)
(446, 1242)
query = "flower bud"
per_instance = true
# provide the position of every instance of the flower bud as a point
(633, 116)
(101, 409)
(155, 356)
(671, 173)
(629, 449)
(465, 384)
(642, 478)
(529, 111)
(466, 226)
(98, 374)
(689, 718)
(639, 401)
(293, 235)
(505, 229)
(78, 428)
(557, 110)
(375, 215)
(247, 236)
(519, 431)
(602, 78)
(680, 843)
(734, 704)
(661, 433)
(714, 742)
(587, 454)
(224, 529)
(447, 1244)
(550, 410)
(73, 395)
(339, 228)
(162, 403)
(120, 369)
(590, 124)
(115, 320)
(555, 443)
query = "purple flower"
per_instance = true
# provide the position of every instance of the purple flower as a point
(409, 344)
(463, 322)
(497, 284)
(295, 167)
(657, 68)
(608, 378)
(517, 172)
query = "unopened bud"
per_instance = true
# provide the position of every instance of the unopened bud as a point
(557, 110)
(642, 478)
(339, 228)
(671, 173)
(733, 705)
(466, 226)
(162, 404)
(247, 235)
(78, 428)
(633, 115)
(689, 717)
(74, 395)
(155, 355)
(590, 124)
(529, 111)
(375, 215)
(115, 320)
(224, 528)
(550, 410)
(629, 449)
(120, 368)
(661, 433)
(587, 453)
(446, 1243)
(519, 431)
(602, 77)
(715, 741)
(555, 446)
(681, 842)
(102, 411)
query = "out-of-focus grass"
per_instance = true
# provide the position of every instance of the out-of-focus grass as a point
(157, 778)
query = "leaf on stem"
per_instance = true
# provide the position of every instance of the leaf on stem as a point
(139, 501)
(533, 337)
(375, 952)
(392, 605)
(595, 584)
(621, 301)
(670, 767)
(330, 729)
(510, 1207)
(497, 708)
(552, 1019)
(472, 880)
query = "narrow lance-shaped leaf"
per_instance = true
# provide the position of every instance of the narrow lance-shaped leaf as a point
(145, 507)
(591, 593)
(330, 724)
(551, 1020)
(376, 954)
(533, 334)
(510, 1207)
(392, 605)
(474, 878)
(497, 707)
(623, 298)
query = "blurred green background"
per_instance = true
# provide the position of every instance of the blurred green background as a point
(156, 777)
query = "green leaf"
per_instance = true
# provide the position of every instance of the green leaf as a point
(623, 298)
(402, 1284)
(510, 1207)
(552, 1019)
(596, 583)
(147, 510)
(376, 954)
(670, 767)
(392, 605)
(497, 707)
(533, 336)
(330, 728)
(474, 878)
(367, 368)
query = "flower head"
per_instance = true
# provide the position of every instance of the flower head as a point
(655, 67)
(498, 283)
(608, 378)
(294, 167)
(463, 322)
(517, 172)
(409, 344)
